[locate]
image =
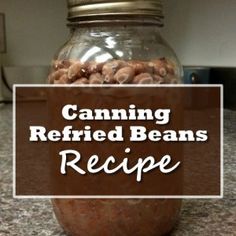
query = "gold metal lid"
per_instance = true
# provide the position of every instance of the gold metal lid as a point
(81, 9)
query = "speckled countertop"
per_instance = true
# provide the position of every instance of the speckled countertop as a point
(35, 217)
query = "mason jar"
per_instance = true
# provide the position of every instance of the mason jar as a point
(116, 42)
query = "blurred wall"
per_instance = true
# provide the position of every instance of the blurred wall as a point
(201, 32)
(35, 29)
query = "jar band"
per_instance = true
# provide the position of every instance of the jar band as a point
(80, 10)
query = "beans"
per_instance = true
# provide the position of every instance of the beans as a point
(110, 68)
(61, 64)
(139, 67)
(81, 81)
(160, 71)
(144, 78)
(171, 67)
(96, 79)
(124, 75)
(171, 79)
(158, 79)
(62, 80)
(56, 75)
(76, 70)
(95, 67)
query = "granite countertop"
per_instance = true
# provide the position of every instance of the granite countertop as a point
(35, 217)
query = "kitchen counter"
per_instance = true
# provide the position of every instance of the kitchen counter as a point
(35, 217)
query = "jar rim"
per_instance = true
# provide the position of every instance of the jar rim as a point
(122, 21)
(84, 10)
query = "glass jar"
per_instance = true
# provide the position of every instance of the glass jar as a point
(116, 42)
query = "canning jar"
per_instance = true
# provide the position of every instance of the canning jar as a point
(116, 42)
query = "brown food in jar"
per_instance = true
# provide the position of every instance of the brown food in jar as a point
(144, 78)
(124, 75)
(160, 71)
(116, 217)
